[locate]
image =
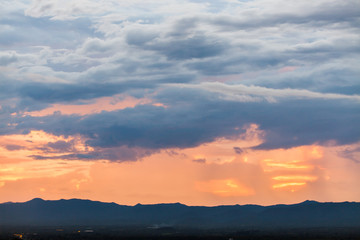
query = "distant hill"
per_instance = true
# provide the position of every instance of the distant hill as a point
(76, 212)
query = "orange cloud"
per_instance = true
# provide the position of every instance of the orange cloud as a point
(113, 103)
(272, 165)
(22, 146)
(308, 166)
(40, 169)
(295, 177)
(224, 188)
(292, 181)
(289, 184)
(316, 152)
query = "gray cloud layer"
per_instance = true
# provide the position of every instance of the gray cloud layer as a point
(289, 66)
(287, 123)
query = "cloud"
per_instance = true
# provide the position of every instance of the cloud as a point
(57, 92)
(7, 58)
(200, 160)
(264, 14)
(255, 93)
(224, 188)
(238, 150)
(211, 67)
(202, 117)
(19, 30)
(189, 48)
(352, 153)
(60, 146)
(115, 154)
(13, 147)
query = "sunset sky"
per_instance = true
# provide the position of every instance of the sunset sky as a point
(198, 102)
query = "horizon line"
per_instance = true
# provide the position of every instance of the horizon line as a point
(173, 203)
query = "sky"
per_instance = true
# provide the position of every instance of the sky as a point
(199, 102)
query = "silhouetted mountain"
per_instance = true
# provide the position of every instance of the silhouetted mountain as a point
(76, 212)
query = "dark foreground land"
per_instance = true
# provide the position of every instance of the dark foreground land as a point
(85, 219)
(139, 233)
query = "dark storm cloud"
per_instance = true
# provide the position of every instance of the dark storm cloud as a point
(117, 154)
(143, 126)
(33, 96)
(26, 96)
(307, 122)
(194, 47)
(201, 117)
(57, 92)
(288, 123)
(66, 92)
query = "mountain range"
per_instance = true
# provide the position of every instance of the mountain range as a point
(77, 212)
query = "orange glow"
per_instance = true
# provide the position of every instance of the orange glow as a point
(288, 165)
(224, 188)
(17, 166)
(233, 173)
(316, 152)
(292, 180)
(33, 143)
(38, 169)
(295, 177)
(270, 165)
(294, 173)
(33, 136)
(116, 102)
(291, 184)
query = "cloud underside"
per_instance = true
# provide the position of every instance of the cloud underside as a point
(286, 124)
(206, 69)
